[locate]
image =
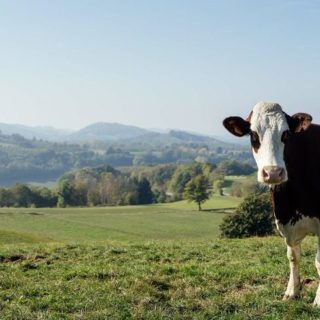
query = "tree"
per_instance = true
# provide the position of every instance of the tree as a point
(144, 193)
(235, 168)
(217, 186)
(254, 217)
(22, 195)
(68, 195)
(43, 197)
(180, 180)
(6, 198)
(197, 190)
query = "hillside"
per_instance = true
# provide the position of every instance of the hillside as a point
(153, 140)
(25, 160)
(128, 135)
(28, 132)
(114, 132)
(38, 160)
(102, 131)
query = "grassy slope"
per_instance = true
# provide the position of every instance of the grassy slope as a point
(152, 262)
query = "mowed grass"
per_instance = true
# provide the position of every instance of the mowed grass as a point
(177, 221)
(146, 262)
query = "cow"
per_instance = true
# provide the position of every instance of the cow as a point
(287, 153)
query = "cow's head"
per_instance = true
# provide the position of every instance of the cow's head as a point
(270, 129)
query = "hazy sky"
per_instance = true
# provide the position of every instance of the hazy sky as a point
(156, 64)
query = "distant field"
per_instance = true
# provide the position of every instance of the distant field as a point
(175, 221)
(229, 180)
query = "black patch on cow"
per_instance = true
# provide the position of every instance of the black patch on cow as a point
(255, 141)
(300, 195)
(286, 136)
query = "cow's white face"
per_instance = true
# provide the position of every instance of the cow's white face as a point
(269, 129)
(268, 124)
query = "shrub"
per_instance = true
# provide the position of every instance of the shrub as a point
(254, 217)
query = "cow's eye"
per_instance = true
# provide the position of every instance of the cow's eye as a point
(255, 141)
(286, 136)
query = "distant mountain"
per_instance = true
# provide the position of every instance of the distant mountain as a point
(126, 135)
(174, 137)
(116, 132)
(211, 142)
(103, 131)
(158, 130)
(44, 133)
(188, 137)
(39, 160)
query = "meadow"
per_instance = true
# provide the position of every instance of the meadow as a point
(144, 262)
(174, 221)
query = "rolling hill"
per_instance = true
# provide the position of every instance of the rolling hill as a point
(103, 131)
(38, 132)
(113, 132)
(38, 159)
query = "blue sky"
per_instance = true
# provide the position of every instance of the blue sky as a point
(156, 64)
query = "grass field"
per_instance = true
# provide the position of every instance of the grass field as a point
(148, 262)
(176, 221)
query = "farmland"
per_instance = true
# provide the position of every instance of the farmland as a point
(143, 262)
(176, 221)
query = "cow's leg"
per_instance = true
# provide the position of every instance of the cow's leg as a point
(294, 285)
(317, 299)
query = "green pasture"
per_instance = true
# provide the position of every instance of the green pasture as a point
(213, 279)
(144, 262)
(175, 221)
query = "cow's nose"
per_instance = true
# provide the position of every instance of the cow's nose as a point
(273, 174)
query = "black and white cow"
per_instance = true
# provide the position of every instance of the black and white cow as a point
(287, 152)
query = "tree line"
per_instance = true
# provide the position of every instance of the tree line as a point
(108, 186)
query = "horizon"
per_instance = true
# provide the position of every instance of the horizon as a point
(225, 137)
(157, 130)
(156, 65)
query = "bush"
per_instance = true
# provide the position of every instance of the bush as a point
(254, 217)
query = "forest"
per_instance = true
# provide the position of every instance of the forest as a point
(35, 160)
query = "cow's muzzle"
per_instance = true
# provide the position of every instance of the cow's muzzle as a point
(273, 174)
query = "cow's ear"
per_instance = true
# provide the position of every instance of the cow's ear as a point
(237, 126)
(299, 122)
